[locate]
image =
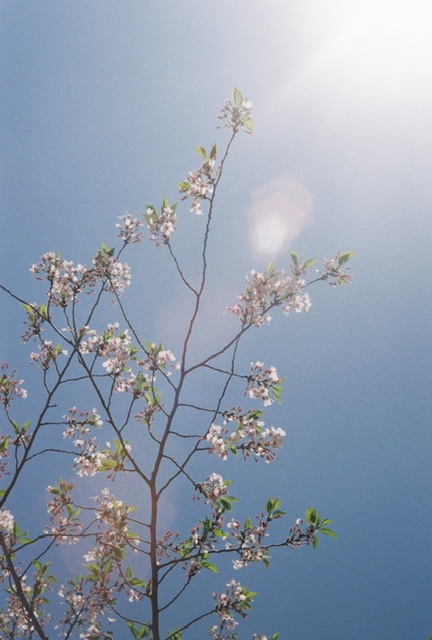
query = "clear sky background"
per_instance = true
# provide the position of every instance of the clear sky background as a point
(102, 103)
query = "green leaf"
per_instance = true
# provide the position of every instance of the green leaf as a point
(210, 566)
(295, 258)
(269, 269)
(202, 152)
(225, 503)
(106, 250)
(248, 123)
(328, 532)
(43, 310)
(107, 465)
(344, 257)
(93, 568)
(237, 97)
(21, 535)
(183, 186)
(4, 444)
(138, 631)
(137, 582)
(277, 392)
(277, 503)
(28, 309)
(278, 514)
(309, 263)
(311, 515)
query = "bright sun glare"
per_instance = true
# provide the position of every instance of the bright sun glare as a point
(383, 46)
(365, 61)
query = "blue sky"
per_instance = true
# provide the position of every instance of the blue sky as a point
(102, 105)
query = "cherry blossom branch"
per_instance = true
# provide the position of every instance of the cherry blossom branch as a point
(30, 613)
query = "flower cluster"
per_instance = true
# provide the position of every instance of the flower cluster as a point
(129, 229)
(80, 425)
(115, 458)
(115, 274)
(213, 488)
(267, 290)
(216, 437)
(47, 354)
(161, 225)
(112, 516)
(250, 437)
(263, 382)
(10, 388)
(112, 344)
(236, 599)
(200, 183)
(90, 460)
(66, 280)
(139, 384)
(248, 540)
(6, 520)
(236, 114)
(65, 523)
(157, 358)
(333, 272)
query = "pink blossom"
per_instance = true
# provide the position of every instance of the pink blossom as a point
(81, 424)
(161, 225)
(66, 280)
(236, 114)
(129, 229)
(10, 388)
(112, 344)
(117, 275)
(199, 185)
(6, 520)
(90, 460)
(48, 353)
(213, 487)
(267, 290)
(250, 437)
(263, 383)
